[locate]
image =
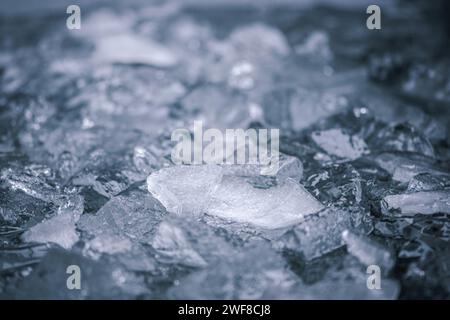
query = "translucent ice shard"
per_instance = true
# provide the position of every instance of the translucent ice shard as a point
(368, 252)
(100, 279)
(277, 207)
(424, 202)
(204, 189)
(258, 38)
(134, 214)
(404, 166)
(428, 182)
(335, 142)
(129, 48)
(217, 107)
(59, 229)
(184, 189)
(403, 137)
(248, 274)
(299, 108)
(319, 234)
(173, 246)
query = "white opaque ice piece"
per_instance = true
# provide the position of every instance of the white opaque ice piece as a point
(337, 143)
(204, 189)
(184, 189)
(277, 207)
(425, 202)
(128, 48)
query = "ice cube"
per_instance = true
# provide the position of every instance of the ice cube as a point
(368, 252)
(337, 143)
(424, 202)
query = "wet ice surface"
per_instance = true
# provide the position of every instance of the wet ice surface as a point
(86, 176)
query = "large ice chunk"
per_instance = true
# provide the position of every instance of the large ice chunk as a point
(277, 207)
(204, 189)
(184, 189)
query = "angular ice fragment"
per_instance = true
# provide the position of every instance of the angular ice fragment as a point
(405, 166)
(368, 252)
(299, 108)
(129, 48)
(259, 38)
(316, 46)
(184, 189)
(204, 189)
(59, 229)
(99, 279)
(288, 167)
(319, 234)
(403, 137)
(248, 274)
(336, 142)
(217, 107)
(277, 207)
(134, 213)
(424, 202)
(428, 182)
(173, 246)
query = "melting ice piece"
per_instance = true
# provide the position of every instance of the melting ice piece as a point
(319, 234)
(172, 244)
(204, 189)
(184, 189)
(129, 48)
(59, 229)
(277, 207)
(368, 252)
(337, 143)
(424, 202)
